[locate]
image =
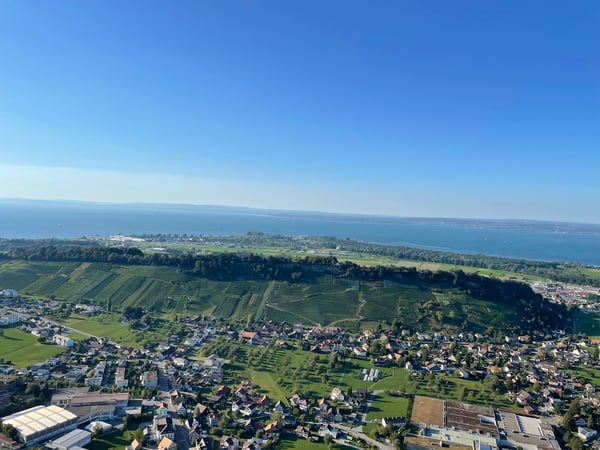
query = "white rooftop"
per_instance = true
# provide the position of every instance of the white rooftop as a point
(33, 420)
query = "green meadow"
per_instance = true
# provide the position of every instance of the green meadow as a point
(385, 405)
(23, 349)
(588, 323)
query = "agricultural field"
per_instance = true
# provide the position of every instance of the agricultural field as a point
(334, 301)
(326, 300)
(23, 349)
(276, 372)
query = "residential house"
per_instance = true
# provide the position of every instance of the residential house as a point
(204, 443)
(337, 395)
(9, 319)
(120, 378)
(229, 443)
(212, 420)
(161, 409)
(167, 444)
(328, 430)
(163, 427)
(60, 339)
(249, 337)
(272, 429)
(302, 431)
(586, 433)
(251, 444)
(394, 422)
(134, 445)
(150, 379)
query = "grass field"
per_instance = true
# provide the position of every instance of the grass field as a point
(586, 375)
(23, 349)
(110, 441)
(105, 325)
(291, 442)
(588, 323)
(385, 405)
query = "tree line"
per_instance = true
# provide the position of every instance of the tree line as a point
(565, 272)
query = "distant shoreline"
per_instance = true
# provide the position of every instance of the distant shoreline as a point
(521, 239)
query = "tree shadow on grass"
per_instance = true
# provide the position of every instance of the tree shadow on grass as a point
(10, 338)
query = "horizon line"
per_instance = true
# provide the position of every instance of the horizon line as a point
(299, 211)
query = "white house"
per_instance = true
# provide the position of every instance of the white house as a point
(9, 319)
(586, 434)
(120, 379)
(150, 379)
(337, 394)
(65, 341)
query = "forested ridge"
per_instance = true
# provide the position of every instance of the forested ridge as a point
(539, 313)
(559, 271)
(563, 272)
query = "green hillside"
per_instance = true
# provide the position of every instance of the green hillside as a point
(419, 303)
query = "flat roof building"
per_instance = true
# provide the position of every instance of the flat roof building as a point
(74, 439)
(41, 423)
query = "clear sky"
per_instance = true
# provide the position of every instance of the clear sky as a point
(483, 109)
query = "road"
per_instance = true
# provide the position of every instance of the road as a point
(359, 434)
(181, 436)
(366, 411)
(53, 322)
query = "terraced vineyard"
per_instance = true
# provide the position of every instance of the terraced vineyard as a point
(325, 300)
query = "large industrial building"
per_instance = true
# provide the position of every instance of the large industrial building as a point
(41, 423)
(90, 406)
(74, 440)
(477, 427)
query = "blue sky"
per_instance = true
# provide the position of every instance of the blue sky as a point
(410, 108)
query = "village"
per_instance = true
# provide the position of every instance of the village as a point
(189, 391)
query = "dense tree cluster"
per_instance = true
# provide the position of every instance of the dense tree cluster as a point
(557, 271)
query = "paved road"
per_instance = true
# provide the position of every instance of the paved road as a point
(366, 411)
(359, 434)
(181, 436)
(163, 378)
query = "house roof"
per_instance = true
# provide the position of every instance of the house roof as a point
(165, 443)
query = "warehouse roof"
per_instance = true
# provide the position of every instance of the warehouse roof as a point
(39, 418)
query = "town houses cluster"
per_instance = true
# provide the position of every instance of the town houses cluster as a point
(178, 397)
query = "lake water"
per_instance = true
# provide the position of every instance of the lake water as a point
(516, 239)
